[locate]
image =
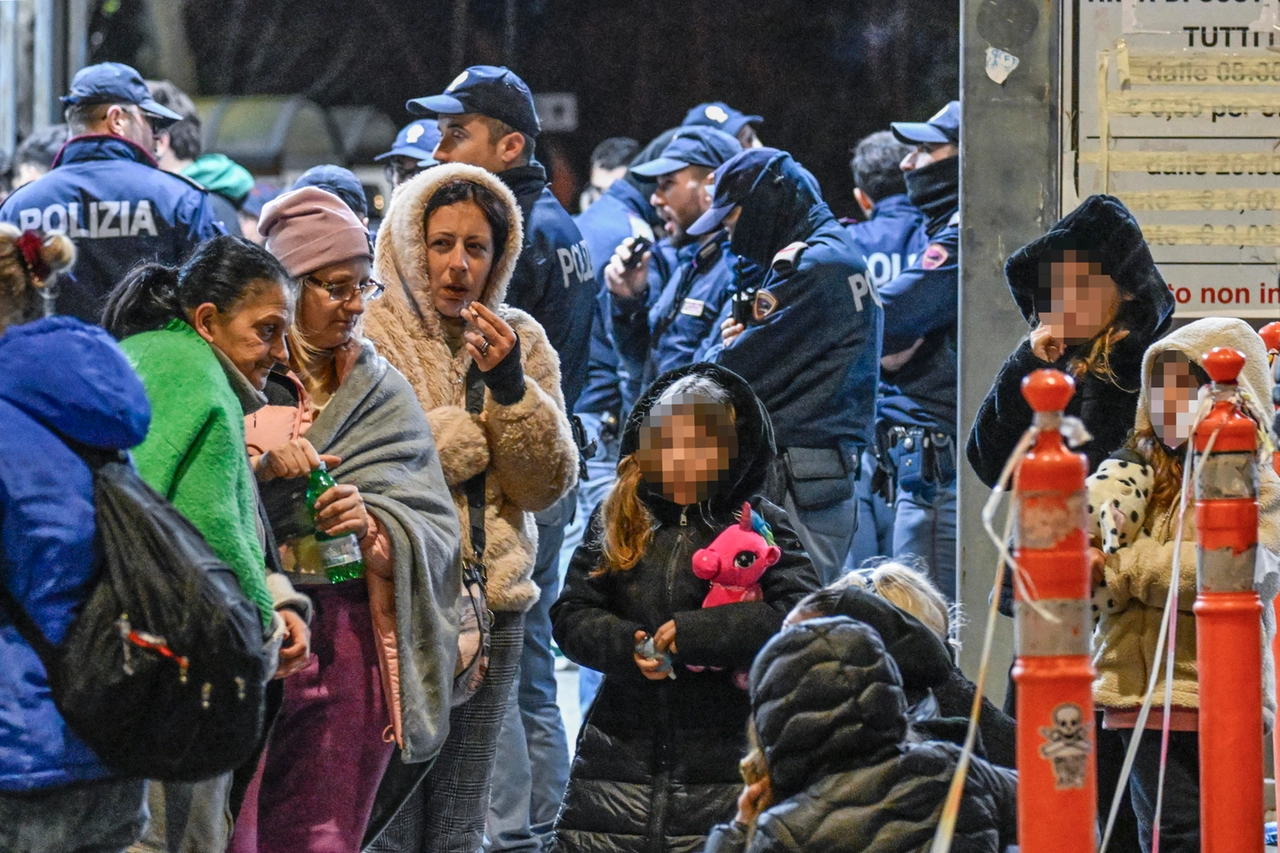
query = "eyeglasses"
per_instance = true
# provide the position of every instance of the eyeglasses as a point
(369, 290)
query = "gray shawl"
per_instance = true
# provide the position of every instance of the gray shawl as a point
(375, 424)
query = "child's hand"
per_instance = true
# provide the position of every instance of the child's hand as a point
(1046, 343)
(654, 669)
(1097, 566)
(665, 639)
(753, 800)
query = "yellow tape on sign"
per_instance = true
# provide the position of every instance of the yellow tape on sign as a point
(1203, 69)
(1236, 199)
(1212, 235)
(1194, 105)
(1188, 162)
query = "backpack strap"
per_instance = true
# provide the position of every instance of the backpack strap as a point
(475, 486)
(27, 628)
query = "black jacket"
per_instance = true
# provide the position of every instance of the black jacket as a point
(657, 761)
(1103, 226)
(846, 776)
(554, 279)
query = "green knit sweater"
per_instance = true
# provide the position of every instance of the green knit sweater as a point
(195, 453)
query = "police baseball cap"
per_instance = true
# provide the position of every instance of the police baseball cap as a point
(692, 146)
(117, 83)
(734, 182)
(341, 182)
(489, 90)
(417, 140)
(944, 127)
(721, 116)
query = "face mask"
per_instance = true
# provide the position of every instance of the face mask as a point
(935, 189)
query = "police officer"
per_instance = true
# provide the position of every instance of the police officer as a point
(721, 116)
(411, 152)
(667, 335)
(890, 238)
(486, 118)
(106, 192)
(916, 427)
(807, 339)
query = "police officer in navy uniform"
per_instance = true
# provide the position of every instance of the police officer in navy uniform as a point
(667, 335)
(106, 192)
(916, 427)
(807, 339)
(891, 239)
(721, 116)
(486, 118)
(411, 152)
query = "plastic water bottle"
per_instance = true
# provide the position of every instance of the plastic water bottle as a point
(339, 555)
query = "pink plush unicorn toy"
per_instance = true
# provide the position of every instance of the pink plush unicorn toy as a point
(735, 561)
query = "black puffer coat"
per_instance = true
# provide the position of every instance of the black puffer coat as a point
(846, 778)
(657, 761)
(1104, 226)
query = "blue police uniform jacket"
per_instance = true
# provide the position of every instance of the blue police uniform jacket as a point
(621, 212)
(923, 302)
(70, 376)
(108, 196)
(554, 279)
(891, 240)
(812, 353)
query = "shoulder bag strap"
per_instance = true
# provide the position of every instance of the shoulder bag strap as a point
(475, 486)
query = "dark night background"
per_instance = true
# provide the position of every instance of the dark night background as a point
(822, 74)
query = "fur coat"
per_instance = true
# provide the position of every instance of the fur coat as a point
(526, 449)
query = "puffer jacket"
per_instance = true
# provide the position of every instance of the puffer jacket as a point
(1138, 575)
(526, 449)
(1103, 225)
(831, 716)
(60, 374)
(657, 761)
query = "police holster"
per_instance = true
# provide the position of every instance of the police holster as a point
(817, 476)
(586, 449)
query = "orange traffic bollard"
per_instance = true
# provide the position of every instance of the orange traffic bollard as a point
(1057, 775)
(1228, 618)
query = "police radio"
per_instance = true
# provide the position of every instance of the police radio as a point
(743, 301)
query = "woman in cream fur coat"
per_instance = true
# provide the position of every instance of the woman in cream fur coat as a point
(446, 253)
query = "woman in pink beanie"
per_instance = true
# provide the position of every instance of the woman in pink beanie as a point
(384, 643)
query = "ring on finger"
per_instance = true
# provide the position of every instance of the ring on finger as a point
(484, 347)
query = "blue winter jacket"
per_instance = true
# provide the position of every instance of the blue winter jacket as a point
(107, 194)
(891, 239)
(813, 355)
(554, 279)
(64, 374)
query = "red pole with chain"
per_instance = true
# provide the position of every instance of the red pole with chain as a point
(1228, 617)
(1057, 778)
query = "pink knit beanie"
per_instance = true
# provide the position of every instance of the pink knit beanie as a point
(308, 228)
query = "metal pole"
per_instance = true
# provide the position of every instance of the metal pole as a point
(44, 68)
(77, 36)
(8, 75)
(1008, 196)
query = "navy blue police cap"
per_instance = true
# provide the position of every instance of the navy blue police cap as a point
(943, 128)
(117, 83)
(489, 90)
(721, 116)
(734, 182)
(341, 182)
(417, 140)
(692, 146)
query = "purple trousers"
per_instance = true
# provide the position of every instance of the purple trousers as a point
(326, 754)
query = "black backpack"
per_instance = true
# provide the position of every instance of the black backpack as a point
(163, 671)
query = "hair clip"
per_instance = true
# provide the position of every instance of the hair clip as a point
(29, 245)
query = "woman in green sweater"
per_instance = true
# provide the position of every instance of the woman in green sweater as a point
(203, 338)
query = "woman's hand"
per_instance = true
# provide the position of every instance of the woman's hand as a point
(653, 669)
(297, 458)
(295, 652)
(491, 340)
(729, 331)
(340, 511)
(664, 640)
(753, 800)
(1046, 343)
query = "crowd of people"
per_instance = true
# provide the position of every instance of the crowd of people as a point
(437, 457)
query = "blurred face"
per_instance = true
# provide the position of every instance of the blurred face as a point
(467, 138)
(460, 254)
(681, 197)
(748, 137)
(686, 445)
(251, 332)
(1174, 398)
(928, 153)
(399, 169)
(332, 301)
(1082, 298)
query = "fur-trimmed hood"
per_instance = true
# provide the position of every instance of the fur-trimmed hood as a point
(401, 256)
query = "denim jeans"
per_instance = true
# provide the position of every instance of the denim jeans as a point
(924, 523)
(826, 532)
(1180, 811)
(97, 817)
(529, 781)
(188, 817)
(602, 470)
(874, 536)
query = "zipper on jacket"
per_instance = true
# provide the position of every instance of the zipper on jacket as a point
(684, 516)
